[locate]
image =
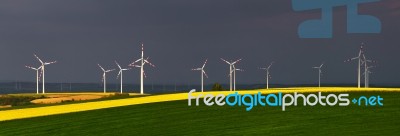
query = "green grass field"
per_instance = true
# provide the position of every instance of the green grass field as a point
(176, 118)
(31, 105)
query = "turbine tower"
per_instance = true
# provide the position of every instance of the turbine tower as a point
(42, 67)
(234, 76)
(231, 70)
(366, 76)
(120, 73)
(142, 63)
(203, 73)
(359, 64)
(366, 70)
(37, 77)
(268, 75)
(319, 74)
(104, 76)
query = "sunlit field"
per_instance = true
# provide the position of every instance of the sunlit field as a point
(175, 117)
(68, 108)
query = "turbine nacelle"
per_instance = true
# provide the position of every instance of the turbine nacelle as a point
(38, 58)
(105, 71)
(268, 67)
(34, 68)
(231, 65)
(236, 69)
(44, 63)
(121, 69)
(202, 69)
(319, 66)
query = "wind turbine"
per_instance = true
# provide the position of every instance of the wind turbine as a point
(37, 77)
(142, 63)
(366, 76)
(104, 76)
(234, 69)
(359, 63)
(231, 70)
(319, 74)
(202, 74)
(42, 67)
(120, 73)
(366, 70)
(268, 75)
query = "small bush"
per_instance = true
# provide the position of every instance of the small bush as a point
(16, 100)
(217, 87)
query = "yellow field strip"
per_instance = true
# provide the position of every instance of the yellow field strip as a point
(68, 108)
(46, 94)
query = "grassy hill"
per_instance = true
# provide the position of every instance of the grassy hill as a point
(173, 118)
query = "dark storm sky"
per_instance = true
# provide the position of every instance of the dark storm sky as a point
(180, 34)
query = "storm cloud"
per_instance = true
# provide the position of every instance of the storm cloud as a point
(180, 34)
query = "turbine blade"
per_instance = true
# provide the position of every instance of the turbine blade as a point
(137, 60)
(48, 63)
(225, 61)
(231, 72)
(236, 61)
(239, 69)
(31, 67)
(118, 65)
(149, 63)
(270, 65)
(119, 73)
(204, 63)
(133, 63)
(38, 58)
(204, 72)
(101, 67)
(109, 70)
(362, 46)
(263, 68)
(348, 60)
(40, 74)
(197, 69)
